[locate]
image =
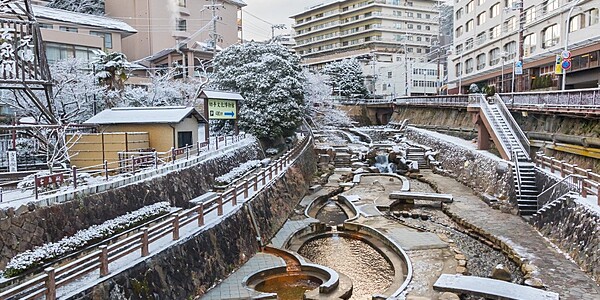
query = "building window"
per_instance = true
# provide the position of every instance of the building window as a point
(550, 5)
(510, 24)
(469, 7)
(469, 65)
(458, 69)
(182, 3)
(46, 26)
(529, 44)
(577, 22)
(459, 13)
(592, 16)
(550, 36)
(469, 26)
(180, 25)
(481, 38)
(495, 10)
(495, 32)
(459, 31)
(529, 15)
(56, 52)
(469, 44)
(107, 37)
(389, 74)
(481, 18)
(511, 50)
(494, 56)
(481, 61)
(184, 138)
(68, 29)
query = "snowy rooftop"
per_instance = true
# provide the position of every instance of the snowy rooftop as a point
(222, 95)
(239, 3)
(144, 115)
(78, 18)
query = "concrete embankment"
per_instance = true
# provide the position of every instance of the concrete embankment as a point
(190, 267)
(21, 230)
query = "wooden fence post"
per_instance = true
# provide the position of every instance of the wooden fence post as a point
(155, 160)
(264, 175)
(200, 211)
(103, 260)
(220, 205)
(50, 284)
(106, 169)
(234, 195)
(35, 184)
(198, 147)
(255, 182)
(245, 189)
(270, 172)
(133, 164)
(176, 227)
(145, 251)
(217, 142)
(74, 175)
(173, 156)
(187, 151)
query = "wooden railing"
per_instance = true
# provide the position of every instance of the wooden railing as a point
(130, 163)
(46, 284)
(590, 182)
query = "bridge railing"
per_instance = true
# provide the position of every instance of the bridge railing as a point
(454, 100)
(583, 98)
(99, 261)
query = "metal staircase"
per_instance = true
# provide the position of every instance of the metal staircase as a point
(514, 144)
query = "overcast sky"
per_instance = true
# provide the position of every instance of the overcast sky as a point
(274, 12)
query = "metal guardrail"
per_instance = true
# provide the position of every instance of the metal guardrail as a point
(99, 261)
(514, 126)
(582, 98)
(447, 100)
(571, 183)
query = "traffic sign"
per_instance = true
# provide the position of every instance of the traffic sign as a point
(519, 68)
(566, 54)
(229, 114)
(566, 64)
(558, 65)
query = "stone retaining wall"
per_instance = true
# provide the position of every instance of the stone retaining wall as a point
(575, 229)
(24, 229)
(483, 174)
(190, 268)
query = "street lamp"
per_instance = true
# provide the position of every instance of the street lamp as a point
(564, 73)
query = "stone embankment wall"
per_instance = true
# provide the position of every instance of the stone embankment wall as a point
(191, 267)
(480, 172)
(575, 229)
(23, 230)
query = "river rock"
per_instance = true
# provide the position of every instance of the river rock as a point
(501, 272)
(534, 282)
(449, 296)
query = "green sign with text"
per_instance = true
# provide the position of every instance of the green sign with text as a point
(222, 109)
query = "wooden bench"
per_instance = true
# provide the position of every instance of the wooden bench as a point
(490, 288)
(444, 198)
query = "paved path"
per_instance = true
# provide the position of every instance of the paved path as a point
(557, 272)
(231, 288)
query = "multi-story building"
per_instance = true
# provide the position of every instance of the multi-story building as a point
(491, 36)
(386, 34)
(176, 31)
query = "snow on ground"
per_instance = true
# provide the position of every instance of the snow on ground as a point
(590, 202)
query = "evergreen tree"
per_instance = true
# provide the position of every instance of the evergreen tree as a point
(93, 7)
(346, 77)
(269, 77)
(111, 72)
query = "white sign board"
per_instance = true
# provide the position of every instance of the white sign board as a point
(12, 161)
(519, 68)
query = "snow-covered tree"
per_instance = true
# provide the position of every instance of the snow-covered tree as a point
(269, 77)
(112, 73)
(94, 7)
(346, 77)
(319, 107)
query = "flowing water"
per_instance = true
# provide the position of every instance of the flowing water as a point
(369, 271)
(382, 163)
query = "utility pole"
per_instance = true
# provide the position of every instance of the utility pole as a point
(520, 87)
(276, 26)
(213, 33)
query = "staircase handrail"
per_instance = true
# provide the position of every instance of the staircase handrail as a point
(514, 126)
(568, 183)
(485, 108)
(515, 160)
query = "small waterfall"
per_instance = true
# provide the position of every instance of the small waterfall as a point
(382, 163)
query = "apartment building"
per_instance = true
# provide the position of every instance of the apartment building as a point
(388, 36)
(175, 31)
(490, 36)
(73, 35)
